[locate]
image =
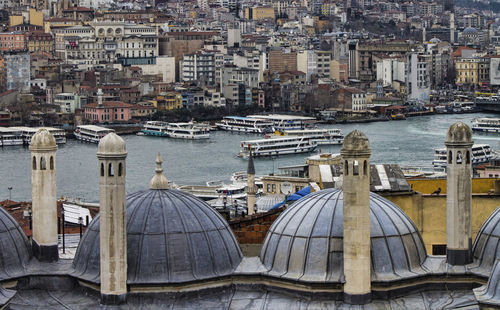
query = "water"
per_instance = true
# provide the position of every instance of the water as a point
(411, 142)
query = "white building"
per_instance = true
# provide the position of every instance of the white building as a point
(390, 70)
(418, 82)
(17, 71)
(199, 66)
(68, 102)
(103, 42)
(235, 75)
(165, 65)
(307, 62)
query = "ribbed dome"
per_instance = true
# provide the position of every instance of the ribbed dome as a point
(172, 237)
(459, 132)
(43, 140)
(15, 250)
(111, 144)
(305, 242)
(486, 246)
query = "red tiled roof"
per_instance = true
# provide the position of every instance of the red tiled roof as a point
(109, 104)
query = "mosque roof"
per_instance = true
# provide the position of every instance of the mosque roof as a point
(5, 296)
(486, 246)
(305, 243)
(14, 261)
(172, 237)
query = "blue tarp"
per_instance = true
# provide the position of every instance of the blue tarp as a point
(294, 197)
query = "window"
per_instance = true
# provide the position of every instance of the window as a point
(120, 169)
(43, 163)
(111, 170)
(450, 157)
(102, 170)
(355, 168)
(274, 188)
(439, 249)
(51, 163)
(34, 163)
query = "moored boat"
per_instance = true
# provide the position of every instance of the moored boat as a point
(187, 131)
(155, 128)
(245, 124)
(10, 136)
(277, 146)
(481, 153)
(485, 124)
(287, 122)
(319, 136)
(91, 133)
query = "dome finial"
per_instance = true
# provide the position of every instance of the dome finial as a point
(159, 181)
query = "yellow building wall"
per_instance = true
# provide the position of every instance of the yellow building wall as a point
(428, 212)
(36, 18)
(428, 186)
(15, 20)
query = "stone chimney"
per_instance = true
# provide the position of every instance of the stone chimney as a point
(111, 154)
(44, 196)
(356, 195)
(459, 194)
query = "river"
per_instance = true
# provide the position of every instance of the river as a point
(411, 142)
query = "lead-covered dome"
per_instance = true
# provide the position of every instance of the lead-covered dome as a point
(486, 247)
(459, 132)
(172, 237)
(305, 243)
(15, 250)
(43, 140)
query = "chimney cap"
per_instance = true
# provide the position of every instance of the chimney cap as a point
(112, 145)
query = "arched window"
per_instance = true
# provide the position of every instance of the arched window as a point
(43, 163)
(51, 162)
(102, 170)
(355, 168)
(450, 157)
(111, 170)
(120, 168)
(467, 157)
(365, 168)
(346, 167)
(34, 163)
(459, 157)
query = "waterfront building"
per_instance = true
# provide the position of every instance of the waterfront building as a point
(68, 102)
(200, 67)
(418, 86)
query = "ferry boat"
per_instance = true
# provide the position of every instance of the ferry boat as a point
(481, 153)
(155, 128)
(277, 146)
(91, 133)
(486, 124)
(186, 131)
(287, 122)
(319, 136)
(10, 136)
(28, 132)
(245, 124)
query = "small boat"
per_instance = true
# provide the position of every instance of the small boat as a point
(277, 146)
(398, 117)
(481, 153)
(10, 136)
(319, 136)
(140, 133)
(187, 131)
(28, 132)
(91, 133)
(486, 124)
(155, 128)
(245, 124)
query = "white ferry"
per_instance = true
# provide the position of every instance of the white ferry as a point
(28, 132)
(481, 153)
(319, 136)
(10, 136)
(91, 133)
(245, 124)
(486, 124)
(155, 128)
(287, 122)
(186, 131)
(277, 146)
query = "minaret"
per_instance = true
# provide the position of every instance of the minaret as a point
(251, 188)
(424, 35)
(159, 181)
(452, 28)
(44, 205)
(356, 195)
(459, 194)
(99, 97)
(111, 153)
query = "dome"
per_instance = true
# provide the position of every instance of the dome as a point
(470, 30)
(355, 141)
(15, 250)
(111, 144)
(172, 237)
(486, 247)
(305, 241)
(43, 140)
(459, 133)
